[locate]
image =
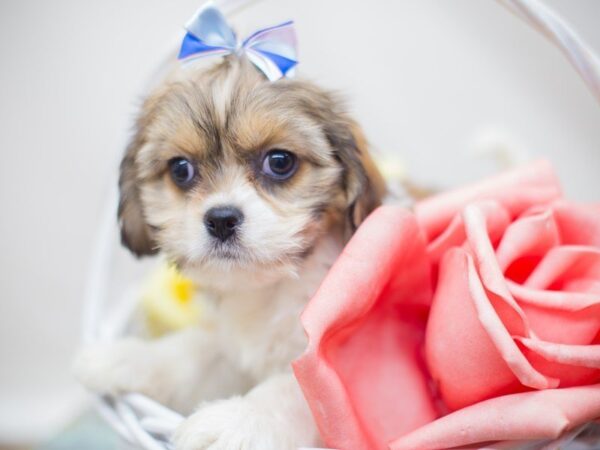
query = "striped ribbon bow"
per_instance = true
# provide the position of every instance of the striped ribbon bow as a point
(272, 50)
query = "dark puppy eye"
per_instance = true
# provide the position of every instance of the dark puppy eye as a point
(279, 164)
(182, 172)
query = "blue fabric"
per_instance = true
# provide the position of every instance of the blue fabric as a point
(284, 64)
(191, 45)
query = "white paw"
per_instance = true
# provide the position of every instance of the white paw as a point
(232, 424)
(115, 368)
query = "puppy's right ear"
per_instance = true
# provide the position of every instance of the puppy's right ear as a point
(136, 235)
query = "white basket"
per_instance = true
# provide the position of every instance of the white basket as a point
(146, 424)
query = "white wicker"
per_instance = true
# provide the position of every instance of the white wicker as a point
(148, 425)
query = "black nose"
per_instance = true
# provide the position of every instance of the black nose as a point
(222, 221)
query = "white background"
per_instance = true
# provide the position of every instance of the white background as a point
(424, 77)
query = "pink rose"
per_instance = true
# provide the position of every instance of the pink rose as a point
(477, 319)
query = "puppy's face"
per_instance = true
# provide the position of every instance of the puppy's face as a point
(235, 178)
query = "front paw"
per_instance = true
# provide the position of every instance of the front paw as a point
(232, 424)
(115, 368)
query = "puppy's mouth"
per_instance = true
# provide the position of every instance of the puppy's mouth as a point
(230, 251)
(233, 253)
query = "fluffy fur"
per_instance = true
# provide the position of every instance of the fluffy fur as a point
(224, 119)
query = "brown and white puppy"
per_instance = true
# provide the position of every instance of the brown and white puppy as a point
(252, 188)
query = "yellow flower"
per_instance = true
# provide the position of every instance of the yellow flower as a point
(169, 301)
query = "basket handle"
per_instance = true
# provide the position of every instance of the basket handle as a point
(546, 21)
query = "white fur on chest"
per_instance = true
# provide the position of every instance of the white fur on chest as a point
(259, 330)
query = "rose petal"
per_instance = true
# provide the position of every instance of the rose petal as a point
(578, 224)
(583, 285)
(496, 217)
(469, 351)
(492, 278)
(529, 236)
(565, 264)
(513, 318)
(462, 358)
(543, 414)
(361, 373)
(516, 190)
(559, 300)
(546, 357)
(504, 343)
(380, 367)
(576, 355)
(559, 317)
(563, 327)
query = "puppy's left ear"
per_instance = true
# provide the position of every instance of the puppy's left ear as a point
(363, 184)
(136, 235)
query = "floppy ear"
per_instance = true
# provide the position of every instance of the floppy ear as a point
(363, 183)
(135, 232)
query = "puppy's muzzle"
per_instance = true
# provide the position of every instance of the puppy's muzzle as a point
(222, 222)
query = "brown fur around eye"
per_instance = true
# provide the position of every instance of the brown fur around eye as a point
(363, 184)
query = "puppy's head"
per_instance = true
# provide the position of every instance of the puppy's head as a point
(235, 178)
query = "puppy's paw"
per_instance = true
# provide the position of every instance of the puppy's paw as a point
(115, 368)
(232, 424)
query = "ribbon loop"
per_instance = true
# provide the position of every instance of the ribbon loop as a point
(272, 50)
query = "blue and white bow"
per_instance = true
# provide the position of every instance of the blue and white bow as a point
(272, 50)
